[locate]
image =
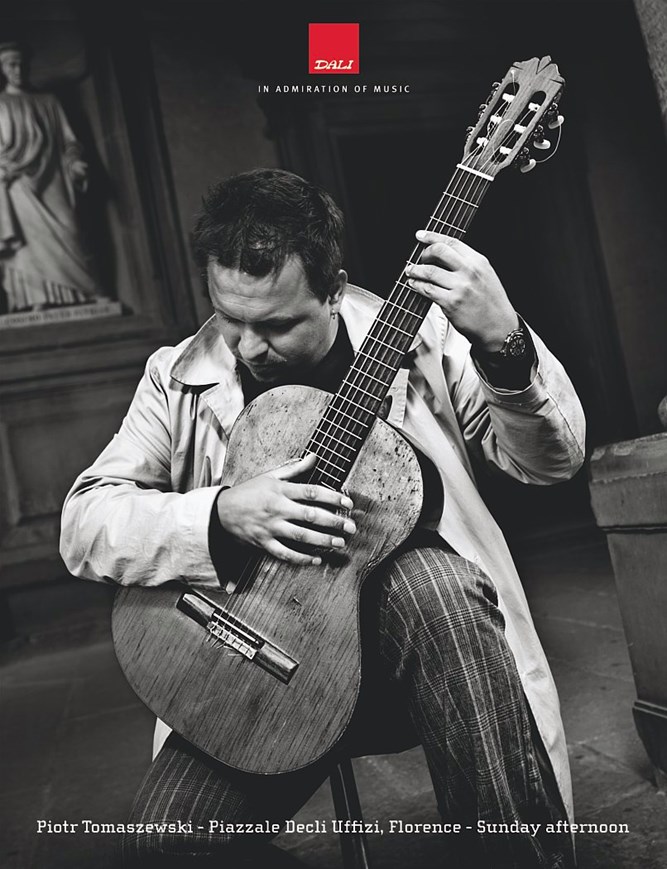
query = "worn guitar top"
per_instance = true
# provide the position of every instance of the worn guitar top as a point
(328, 375)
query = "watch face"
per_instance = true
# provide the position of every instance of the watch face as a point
(516, 345)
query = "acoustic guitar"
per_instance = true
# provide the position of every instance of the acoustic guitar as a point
(264, 673)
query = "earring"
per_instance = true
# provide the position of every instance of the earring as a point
(334, 314)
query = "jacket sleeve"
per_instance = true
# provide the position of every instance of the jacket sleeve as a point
(121, 522)
(536, 435)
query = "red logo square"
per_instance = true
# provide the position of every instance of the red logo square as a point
(333, 49)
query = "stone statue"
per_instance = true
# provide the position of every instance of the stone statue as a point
(42, 258)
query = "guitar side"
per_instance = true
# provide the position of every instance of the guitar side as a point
(288, 704)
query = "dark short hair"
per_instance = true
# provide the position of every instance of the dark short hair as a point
(256, 220)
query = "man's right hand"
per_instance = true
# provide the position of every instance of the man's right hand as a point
(267, 510)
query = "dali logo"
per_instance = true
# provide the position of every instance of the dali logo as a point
(333, 49)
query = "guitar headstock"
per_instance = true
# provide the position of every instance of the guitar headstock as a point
(515, 116)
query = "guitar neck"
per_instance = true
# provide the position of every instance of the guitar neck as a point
(343, 429)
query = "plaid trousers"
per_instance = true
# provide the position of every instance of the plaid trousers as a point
(436, 647)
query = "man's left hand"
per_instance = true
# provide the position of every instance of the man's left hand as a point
(463, 283)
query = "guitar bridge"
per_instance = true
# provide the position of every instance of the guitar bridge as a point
(231, 636)
(229, 630)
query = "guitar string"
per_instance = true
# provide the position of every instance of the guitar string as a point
(463, 208)
(455, 215)
(463, 192)
(395, 317)
(458, 216)
(463, 189)
(252, 569)
(380, 322)
(383, 326)
(321, 435)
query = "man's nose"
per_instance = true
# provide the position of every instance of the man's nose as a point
(252, 345)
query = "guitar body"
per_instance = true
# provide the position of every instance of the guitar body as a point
(290, 709)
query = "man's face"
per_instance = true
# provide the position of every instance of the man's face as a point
(273, 324)
(12, 67)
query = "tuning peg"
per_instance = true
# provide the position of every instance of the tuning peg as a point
(538, 139)
(554, 120)
(483, 107)
(492, 93)
(524, 161)
(469, 132)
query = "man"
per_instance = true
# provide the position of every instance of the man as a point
(453, 638)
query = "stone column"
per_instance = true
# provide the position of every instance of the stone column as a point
(652, 15)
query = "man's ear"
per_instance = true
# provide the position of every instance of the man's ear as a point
(337, 296)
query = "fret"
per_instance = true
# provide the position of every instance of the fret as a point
(454, 196)
(450, 225)
(370, 337)
(379, 361)
(333, 451)
(353, 418)
(400, 307)
(342, 428)
(355, 403)
(334, 438)
(329, 462)
(331, 477)
(380, 322)
(354, 386)
(354, 370)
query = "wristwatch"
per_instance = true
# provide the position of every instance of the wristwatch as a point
(511, 366)
(515, 345)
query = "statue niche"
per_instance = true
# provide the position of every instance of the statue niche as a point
(43, 260)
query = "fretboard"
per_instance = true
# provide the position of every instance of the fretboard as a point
(352, 411)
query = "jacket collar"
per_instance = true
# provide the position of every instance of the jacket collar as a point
(206, 359)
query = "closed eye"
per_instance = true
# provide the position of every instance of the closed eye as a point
(225, 317)
(280, 325)
(268, 325)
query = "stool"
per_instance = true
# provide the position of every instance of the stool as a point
(373, 738)
(353, 846)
